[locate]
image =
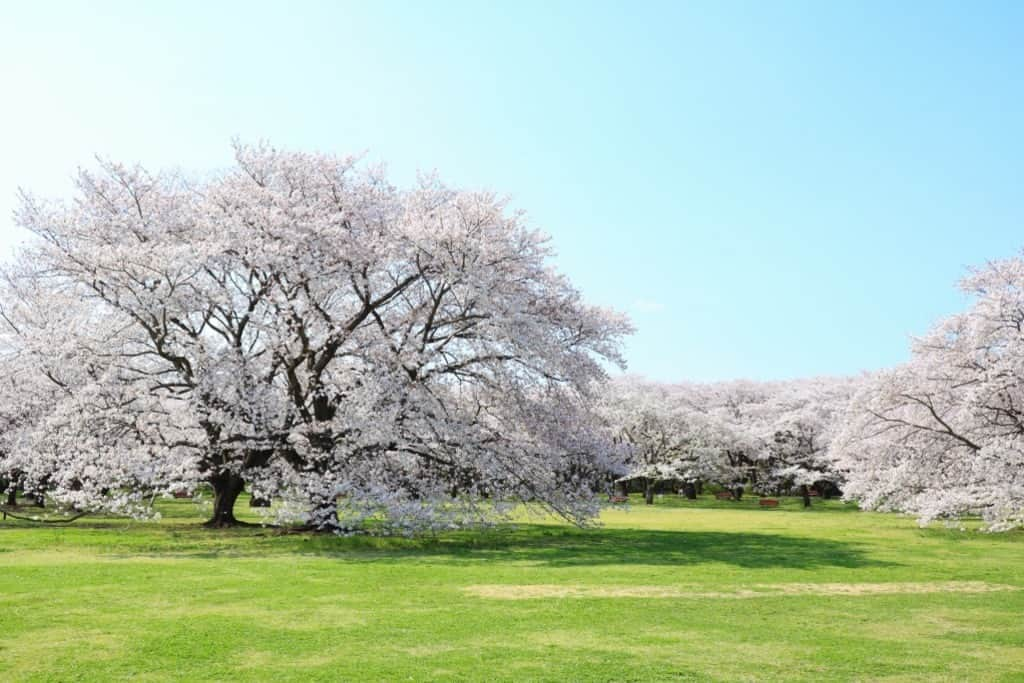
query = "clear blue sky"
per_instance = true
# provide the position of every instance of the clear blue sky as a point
(770, 189)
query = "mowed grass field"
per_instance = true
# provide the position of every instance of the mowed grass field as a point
(682, 590)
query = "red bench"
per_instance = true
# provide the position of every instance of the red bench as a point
(768, 503)
(724, 495)
(618, 499)
(182, 493)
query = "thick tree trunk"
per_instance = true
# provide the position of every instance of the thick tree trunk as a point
(226, 488)
(649, 492)
(690, 490)
(805, 493)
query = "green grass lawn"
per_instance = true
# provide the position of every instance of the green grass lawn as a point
(705, 590)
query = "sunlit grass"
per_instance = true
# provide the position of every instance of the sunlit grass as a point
(116, 599)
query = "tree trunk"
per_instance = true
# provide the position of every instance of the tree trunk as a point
(737, 492)
(324, 515)
(39, 500)
(690, 490)
(700, 487)
(806, 495)
(649, 492)
(226, 488)
(12, 496)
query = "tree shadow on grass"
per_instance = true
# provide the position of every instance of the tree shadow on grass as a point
(566, 547)
(179, 536)
(540, 544)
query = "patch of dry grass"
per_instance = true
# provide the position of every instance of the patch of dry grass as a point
(767, 590)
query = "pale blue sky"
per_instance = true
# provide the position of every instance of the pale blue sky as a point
(770, 189)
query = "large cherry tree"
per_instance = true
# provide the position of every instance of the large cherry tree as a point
(298, 323)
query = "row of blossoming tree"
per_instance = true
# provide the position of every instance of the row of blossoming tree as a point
(299, 326)
(772, 436)
(940, 437)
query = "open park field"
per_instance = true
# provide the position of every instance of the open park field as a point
(703, 590)
(390, 272)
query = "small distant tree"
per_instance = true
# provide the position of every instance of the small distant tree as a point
(799, 421)
(647, 419)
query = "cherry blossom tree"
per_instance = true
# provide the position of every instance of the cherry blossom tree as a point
(735, 411)
(942, 436)
(647, 418)
(798, 423)
(298, 323)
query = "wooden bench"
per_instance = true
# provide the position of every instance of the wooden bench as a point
(618, 499)
(724, 495)
(813, 492)
(768, 503)
(182, 493)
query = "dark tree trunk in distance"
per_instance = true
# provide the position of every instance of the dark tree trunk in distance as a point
(737, 492)
(690, 490)
(649, 492)
(226, 488)
(806, 495)
(12, 496)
